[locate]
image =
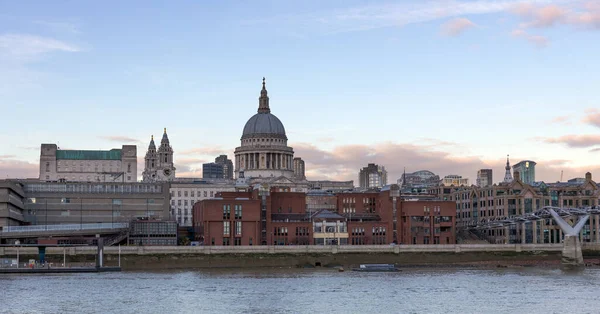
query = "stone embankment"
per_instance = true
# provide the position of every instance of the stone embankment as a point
(173, 257)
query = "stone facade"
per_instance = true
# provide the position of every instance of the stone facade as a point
(115, 165)
(158, 164)
(263, 152)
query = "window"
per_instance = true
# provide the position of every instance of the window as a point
(117, 202)
(211, 193)
(65, 200)
(128, 167)
(238, 211)
(185, 193)
(237, 241)
(226, 212)
(185, 202)
(238, 227)
(250, 241)
(205, 194)
(47, 166)
(179, 202)
(192, 193)
(225, 241)
(226, 228)
(179, 193)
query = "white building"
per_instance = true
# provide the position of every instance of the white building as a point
(115, 165)
(454, 180)
(185, 194)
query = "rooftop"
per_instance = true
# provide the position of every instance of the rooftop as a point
(113, 154)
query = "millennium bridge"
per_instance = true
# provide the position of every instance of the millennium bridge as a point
(571, 234)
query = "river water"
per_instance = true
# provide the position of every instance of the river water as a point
(528, 290)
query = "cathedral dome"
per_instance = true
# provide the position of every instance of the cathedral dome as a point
(264, 124)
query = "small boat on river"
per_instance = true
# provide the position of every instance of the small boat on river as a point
(376, 268)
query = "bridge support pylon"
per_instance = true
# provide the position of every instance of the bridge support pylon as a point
(572, 257)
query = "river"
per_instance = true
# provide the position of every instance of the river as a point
(526, 290)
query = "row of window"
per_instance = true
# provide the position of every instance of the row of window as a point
(227, 228)
(193, 193)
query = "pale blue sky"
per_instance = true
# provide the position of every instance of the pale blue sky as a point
(467, 81)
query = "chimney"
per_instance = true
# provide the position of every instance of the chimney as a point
(588, 176)
(516, 176)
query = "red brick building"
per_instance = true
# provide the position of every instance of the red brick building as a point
(360, 218)
(428, 222)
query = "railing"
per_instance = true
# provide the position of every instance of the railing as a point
(65, 227)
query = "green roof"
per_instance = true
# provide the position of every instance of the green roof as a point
(113, 154)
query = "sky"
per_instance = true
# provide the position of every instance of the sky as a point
(450, 86)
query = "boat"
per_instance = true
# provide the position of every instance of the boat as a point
(376, 268)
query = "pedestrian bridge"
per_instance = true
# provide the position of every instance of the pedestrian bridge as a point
(571, 251)
(62, 230)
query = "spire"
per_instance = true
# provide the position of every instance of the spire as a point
(152, 146)
(165, 138)
(507, 176)
(263, 101)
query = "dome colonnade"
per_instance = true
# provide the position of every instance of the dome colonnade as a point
(263, 151)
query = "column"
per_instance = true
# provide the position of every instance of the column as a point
(597, 228)
(279, 161)
(523, 239)
(506, 235)
(535, 231)
(256, 161)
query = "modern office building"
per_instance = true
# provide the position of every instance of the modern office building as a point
(212, 171)
(49, 203)
(66, 165)
(12, 203)
(526, 170)
(372, 176)
(484, 177)
(227, 166)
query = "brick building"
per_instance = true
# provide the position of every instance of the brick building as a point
(276, 217)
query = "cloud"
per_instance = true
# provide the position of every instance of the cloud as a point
(536, 40)
(575, 141)
(29, 46)
(561, 119)
(376, 16)
(544, 16)
(595, 150)
(540, 16)
(120, 139)
(344, 162)
(207, 151)
(592, 117)
(11, 168)
(457, 26)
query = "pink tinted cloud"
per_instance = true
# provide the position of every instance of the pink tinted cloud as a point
(11, 168)
(457, 26)
(575, 141)
(592, 117)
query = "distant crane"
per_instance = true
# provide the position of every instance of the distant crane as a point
(561, 176)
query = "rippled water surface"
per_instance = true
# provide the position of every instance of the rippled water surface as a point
(305, 291)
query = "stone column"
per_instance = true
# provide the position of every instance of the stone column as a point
(535, 232)
(523, 239)
(597, 228)
(506, 235)
(279, 161)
